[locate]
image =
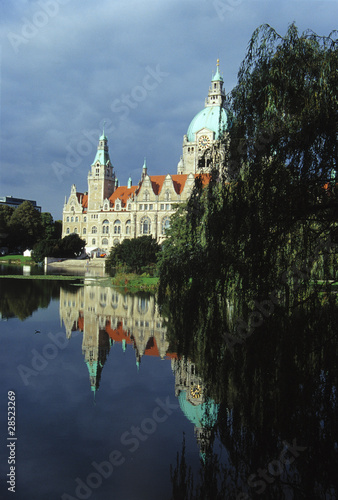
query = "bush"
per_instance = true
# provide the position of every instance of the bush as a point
(134, 253)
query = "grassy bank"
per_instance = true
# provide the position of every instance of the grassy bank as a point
(135, 282)
(16, 259)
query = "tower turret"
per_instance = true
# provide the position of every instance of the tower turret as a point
(101, 177)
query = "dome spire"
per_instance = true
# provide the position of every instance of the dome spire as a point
(217, 76)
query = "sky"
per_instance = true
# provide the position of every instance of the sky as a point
(142, 67)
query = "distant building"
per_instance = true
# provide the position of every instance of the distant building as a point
(108, 213)
(15, 202)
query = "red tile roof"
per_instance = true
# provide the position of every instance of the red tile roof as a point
(151, 348)
(178, 180)
(122, 193)
(83, 199)
(118, 334)
(157, 183)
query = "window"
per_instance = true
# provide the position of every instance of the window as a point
(72, 219)
(165, 225)
(67, 230)
(105, 241)
(117, 227)
(84, 219)
(105, 226)
(141, 207)
(146, 207)
(76, 219)
(93, 241)
(67, 219)
(167, 207)
(129, 206)
(97, 171)
(128, 226)
(84, 230)
(162, 206)
(117, 206)
(94, 230)
(75, 230)
(145, 225)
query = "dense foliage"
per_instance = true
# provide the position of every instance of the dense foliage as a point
(268, 232)
(24, 226)
(134, 253)
(69, 246)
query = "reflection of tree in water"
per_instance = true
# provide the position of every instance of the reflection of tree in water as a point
(278, 386)
(21, 297)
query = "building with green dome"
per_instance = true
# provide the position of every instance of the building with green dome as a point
(108, 213)
(207, 126)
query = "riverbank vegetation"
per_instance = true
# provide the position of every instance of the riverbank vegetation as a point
(266, 226)
(248, 278)
(133, 255)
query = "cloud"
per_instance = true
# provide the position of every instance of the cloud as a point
(62, 70)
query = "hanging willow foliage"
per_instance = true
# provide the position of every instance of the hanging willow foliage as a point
(272, 227)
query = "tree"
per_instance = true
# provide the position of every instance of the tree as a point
(268, 229)
(134, 253)
(70, 246)
(25, 225)
(47, 223)
(5, 217)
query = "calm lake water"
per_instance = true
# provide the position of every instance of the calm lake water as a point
(104, 405)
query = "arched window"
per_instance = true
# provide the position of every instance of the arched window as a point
(128, 226)
(93, 241)
(105, 241)
(67, 219)
(67, 230)
(116, 242)
(145, 225)
(117, 227)
(105, 226)
(142, 305)
(75, 230)
(94, 230)
(84, 219)
(165, 225)
(72, 219)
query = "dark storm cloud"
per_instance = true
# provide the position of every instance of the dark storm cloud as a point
(66, 66)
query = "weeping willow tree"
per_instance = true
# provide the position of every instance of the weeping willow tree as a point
(270, 230)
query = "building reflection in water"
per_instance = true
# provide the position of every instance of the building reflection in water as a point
(106, 316)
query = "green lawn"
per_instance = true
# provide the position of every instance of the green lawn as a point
(16, 259)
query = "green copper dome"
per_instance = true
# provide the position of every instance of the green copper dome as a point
(213, 118)
(103, 138)
(202, 415)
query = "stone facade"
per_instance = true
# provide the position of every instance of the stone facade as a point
(109, 213)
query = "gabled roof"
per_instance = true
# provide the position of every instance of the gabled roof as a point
(151, 348)
(178, 181)
(157, 183)
(122, 193)
(83, 199)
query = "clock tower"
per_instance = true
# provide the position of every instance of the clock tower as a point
(101, 177)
